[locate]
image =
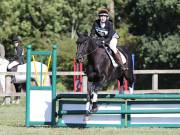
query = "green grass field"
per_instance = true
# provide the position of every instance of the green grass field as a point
(12, 122)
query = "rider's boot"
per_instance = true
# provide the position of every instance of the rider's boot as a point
(13, 69)
(13, 79)
(119, 61)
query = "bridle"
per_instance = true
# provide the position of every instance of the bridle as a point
(86, 54)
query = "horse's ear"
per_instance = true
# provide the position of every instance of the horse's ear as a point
(86, 33)
(78, 34)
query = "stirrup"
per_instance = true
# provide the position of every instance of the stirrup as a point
(124, 68)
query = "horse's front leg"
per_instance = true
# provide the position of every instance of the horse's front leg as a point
(97, 86)
(88, 103)
(94, 96)
(91, 98)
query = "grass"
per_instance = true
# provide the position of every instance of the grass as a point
(12, 122)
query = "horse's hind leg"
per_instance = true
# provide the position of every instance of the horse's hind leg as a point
(18, 89)
(9, 87)
(121, 79)
(88, 102)
(130, 77)
(129, 73)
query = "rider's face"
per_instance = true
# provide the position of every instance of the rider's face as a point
(103, 18)
(16, 43)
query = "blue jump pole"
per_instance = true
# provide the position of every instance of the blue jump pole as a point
(133, 62)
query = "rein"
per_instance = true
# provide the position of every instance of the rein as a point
(90, 52)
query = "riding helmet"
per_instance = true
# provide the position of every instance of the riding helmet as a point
(103, 12)
(16, 38)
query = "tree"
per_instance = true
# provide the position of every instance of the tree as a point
(111, 8)
(80, 14)
(156, 23)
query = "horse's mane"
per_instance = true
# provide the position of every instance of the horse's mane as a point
(84, 37)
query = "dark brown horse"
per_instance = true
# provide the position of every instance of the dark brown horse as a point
(100, 70)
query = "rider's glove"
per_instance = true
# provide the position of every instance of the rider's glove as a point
(103, 42)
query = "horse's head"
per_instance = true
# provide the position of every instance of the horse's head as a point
(82, 47)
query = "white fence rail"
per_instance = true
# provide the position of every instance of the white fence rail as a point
(154, 73)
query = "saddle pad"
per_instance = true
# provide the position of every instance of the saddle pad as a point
(123, 57)
(112, 59)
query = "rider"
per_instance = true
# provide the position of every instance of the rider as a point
(103, 28)
(18, 58)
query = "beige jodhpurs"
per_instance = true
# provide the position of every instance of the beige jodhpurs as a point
(113, 44)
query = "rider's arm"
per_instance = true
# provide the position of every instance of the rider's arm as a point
(110, 32)
(20, 55)
(19, 51)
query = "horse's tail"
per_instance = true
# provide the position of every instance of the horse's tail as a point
(129, 73)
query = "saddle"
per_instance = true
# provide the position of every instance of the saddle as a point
(12, 67)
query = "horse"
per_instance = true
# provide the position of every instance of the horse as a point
(100, 70)
(21, 78)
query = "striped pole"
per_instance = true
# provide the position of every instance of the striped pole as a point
(74, 63)
(81, 78)
(78, 79)
(133, 62)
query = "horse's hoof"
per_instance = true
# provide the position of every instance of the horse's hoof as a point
(17, 102)
(86, 118)
(6, 101)
(94, 109)
(13, 102)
